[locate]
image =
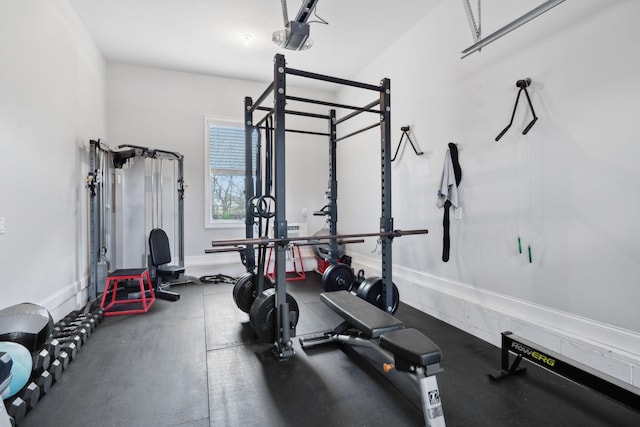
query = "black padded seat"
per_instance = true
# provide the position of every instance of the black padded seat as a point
(412, 345)
(161, 255)
(365, 317)
(170, 271)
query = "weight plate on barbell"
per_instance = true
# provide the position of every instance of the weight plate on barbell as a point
(338, 277)
(239, 281)
(245, 290)
(262, 315)
(371, 290)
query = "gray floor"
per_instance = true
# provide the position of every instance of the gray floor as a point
(195, 363)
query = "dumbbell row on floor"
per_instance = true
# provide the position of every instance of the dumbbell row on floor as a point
(46, 371)
(94, 317)
(78, 323)
(89, 323)
(51, 361)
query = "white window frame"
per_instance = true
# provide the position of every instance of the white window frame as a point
(208, 222)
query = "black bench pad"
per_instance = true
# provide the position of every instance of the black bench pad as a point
(412, 345)
(367, 318)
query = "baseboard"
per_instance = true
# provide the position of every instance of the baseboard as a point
(485, 314)
(65, 300)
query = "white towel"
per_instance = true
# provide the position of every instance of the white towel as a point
(448, 188)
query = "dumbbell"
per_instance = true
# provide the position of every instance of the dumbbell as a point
(44, 381)
(16, 408)
(71, 349)
(70, 346)
(62, 332)
(53, 347)
(26, 399)
(89, 324)
(64, 359)
(70, 332)
(56, 369)
(30, 394)
(41, 361)
(99, 313)
(39, 373)
(86, 320)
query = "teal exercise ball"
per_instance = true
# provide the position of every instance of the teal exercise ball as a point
(21, 368)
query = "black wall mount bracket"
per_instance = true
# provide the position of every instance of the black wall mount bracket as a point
(523, 84)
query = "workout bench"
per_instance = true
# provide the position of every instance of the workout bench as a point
(411, 351)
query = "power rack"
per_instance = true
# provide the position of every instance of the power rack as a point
(285, 325)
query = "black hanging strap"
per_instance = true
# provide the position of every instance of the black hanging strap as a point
(446, 237)
(457, 172)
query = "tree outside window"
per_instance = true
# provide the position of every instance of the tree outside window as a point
(225, 142)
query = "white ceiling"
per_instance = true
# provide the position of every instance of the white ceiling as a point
(206, 36)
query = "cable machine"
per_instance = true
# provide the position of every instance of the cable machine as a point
(100, 185)
(112, 212)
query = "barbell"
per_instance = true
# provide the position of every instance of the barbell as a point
(235, 248)
(344, 237)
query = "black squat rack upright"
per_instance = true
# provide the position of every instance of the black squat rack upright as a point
(286, 318)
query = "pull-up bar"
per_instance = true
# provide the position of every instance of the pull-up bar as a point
(259, 124)
(292, 112)
(333, 104)
(331, 79)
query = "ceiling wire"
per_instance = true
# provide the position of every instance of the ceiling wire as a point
(479, 29)
(285, 15)
(320, 20)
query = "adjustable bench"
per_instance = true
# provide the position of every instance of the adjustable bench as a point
(411, 351)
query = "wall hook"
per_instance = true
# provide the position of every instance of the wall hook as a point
(405, 131)
(522, 84)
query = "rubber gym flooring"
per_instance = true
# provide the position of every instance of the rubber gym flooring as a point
(195, 363)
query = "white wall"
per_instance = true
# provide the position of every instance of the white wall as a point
(570, 187)
(52, 99)
(165, 109)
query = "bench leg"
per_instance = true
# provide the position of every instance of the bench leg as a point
(431, 403)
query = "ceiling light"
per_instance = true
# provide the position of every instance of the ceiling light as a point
(247, 37)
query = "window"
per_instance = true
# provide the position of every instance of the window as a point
(225, 172)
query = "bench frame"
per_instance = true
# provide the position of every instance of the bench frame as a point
(353, 332)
